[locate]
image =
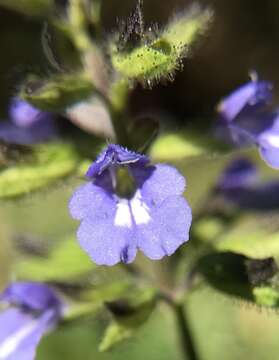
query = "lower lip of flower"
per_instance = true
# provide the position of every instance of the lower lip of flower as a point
(132, 212)
(12, 342)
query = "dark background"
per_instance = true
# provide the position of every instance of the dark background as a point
(244, 36)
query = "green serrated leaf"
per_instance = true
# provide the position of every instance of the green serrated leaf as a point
(129, 314)
(161, 57)
(51, 162)
(29, 7)
(57, 93)
(66, 261)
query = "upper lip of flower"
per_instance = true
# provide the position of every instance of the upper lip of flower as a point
(114, 155)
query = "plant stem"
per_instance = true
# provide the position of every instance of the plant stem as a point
(118, 99)
(186, 339)
(78, 25)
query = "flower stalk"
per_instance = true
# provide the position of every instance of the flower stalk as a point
(184, 332)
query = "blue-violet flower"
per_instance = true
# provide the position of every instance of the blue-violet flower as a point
(240, 184)
(154, 217)
(27, 124)
(32, 310)
(245, 113)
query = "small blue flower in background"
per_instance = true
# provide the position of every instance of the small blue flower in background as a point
(239, 173)
(245, 113)
(155, 218)
(31, 310)
(248, 97)
(268, 142)
(240, 184)
(27, 124)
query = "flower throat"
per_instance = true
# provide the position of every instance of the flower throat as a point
(125, 186)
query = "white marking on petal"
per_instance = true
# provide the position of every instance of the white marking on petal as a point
(139, 210)
(12, 342)
(123, 215)
(271, 139)
(129, 211)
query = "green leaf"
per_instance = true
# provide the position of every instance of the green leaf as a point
(91, 300)
(51, 162)
(66, 261)
(227, 273)
(128, 315)
(161, 57)
(29, 7)
(266, 296)
(186, 143)
(57, 93)
(255, 236)
(115, 333)
(235, 276)
(208, 229)
(10, 154)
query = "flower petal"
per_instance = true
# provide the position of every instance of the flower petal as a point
(270, 155)
(161, 182)
(106, 243)
(20, 333)
(91, 201)
(41, 131)
(240, 172)
(23, 114)
(114, 155)
(168, 229)
(261, 197)
(249, 95)
(31, 295)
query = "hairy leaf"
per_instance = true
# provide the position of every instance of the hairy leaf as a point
(153, 60)
(236, 275)
(65, 262)
(51, 162)
(186, 143)
(57, 93)
(255, 236)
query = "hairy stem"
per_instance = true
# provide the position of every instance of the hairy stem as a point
(78, 25)
(118, 99)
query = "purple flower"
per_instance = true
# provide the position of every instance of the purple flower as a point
(27, 125)
(240, 184)
(239, 173)
(32, 310)
(154, 217)
(268, 143)
(246, 98)
(245, 114)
